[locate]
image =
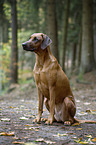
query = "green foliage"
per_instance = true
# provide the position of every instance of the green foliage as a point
(7, 11)
(5, 64)
(80, 76)
(32, 17)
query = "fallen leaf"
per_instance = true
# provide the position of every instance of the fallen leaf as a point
(75, 124)
(89, 136)
(77, 141)
(23, 118)
(28, 125)
(65, 134)
(25, 137)
(5, 119)
(84, 142)
(74, 137)
(7, 134)
(17, 142)
(49, 142)
(40, 139)
(46, 141)
(77, 101)
(29, 143)
(78, 128)
(36, 130)
(87, 103)
(82, 113)
(94, 139)
(93, 110)
(15, 137)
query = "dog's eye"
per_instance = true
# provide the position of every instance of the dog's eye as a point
(35, 39)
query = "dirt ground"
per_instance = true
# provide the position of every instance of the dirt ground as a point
(19, 107)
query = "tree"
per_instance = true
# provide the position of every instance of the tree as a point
(52, 27)
(87, 57)
(1, 39)
(14, 49)
(65, 27)
(74, 56)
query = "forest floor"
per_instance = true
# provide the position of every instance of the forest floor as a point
(19, 107)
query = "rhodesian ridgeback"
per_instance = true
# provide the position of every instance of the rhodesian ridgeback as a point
(52, 83)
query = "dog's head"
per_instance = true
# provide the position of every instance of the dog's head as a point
(37, 40)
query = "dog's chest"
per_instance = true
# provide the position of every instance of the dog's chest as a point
(41, 82)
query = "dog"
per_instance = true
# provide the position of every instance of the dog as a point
(52, 83)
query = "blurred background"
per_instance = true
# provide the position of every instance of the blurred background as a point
(71, 24)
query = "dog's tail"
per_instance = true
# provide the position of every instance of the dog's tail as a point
(84, 121)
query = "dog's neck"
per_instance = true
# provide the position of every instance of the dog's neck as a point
(44, 56)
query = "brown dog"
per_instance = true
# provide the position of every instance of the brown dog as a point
(51, 82)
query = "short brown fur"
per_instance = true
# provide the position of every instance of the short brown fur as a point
(52, 83)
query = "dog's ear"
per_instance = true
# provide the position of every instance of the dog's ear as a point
(46, 41)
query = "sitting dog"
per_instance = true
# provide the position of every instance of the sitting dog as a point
(52, 83)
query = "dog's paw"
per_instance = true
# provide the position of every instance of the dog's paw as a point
(43, 119)
(37, 120)
(49, 122)
(67, 123)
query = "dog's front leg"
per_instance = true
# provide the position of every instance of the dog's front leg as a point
(40, 106)
(52, 106)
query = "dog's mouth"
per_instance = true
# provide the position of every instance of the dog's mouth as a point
(27, 47)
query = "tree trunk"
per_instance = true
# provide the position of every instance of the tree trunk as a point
(65, 28)
(52, 27)
(5, 30)
(14, 51)
(80, 45)
(74, 56)
(1, 42)
(87, 61)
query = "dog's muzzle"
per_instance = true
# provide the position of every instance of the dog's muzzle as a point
(27, 47)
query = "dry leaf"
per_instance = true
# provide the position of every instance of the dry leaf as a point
(23, 118)
(94, 139)
(75, 124)
(82, 113)
(93, 110)
(17, 142)
(78, 128)
(84, 142)
(62, 134)
(77, 101)
(5, 119)
(89, 136)
(46, 141)
(29, 143)
(7, 134)
(87, 103)
(74, 137)
(40, 139)
(77, 141)
(49, 142)
(28, 125)
(81, 142)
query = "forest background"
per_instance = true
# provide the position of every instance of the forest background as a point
(71, 24)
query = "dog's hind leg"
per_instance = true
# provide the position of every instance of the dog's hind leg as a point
(69, 111)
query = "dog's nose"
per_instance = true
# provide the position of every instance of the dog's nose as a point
(24, 44)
